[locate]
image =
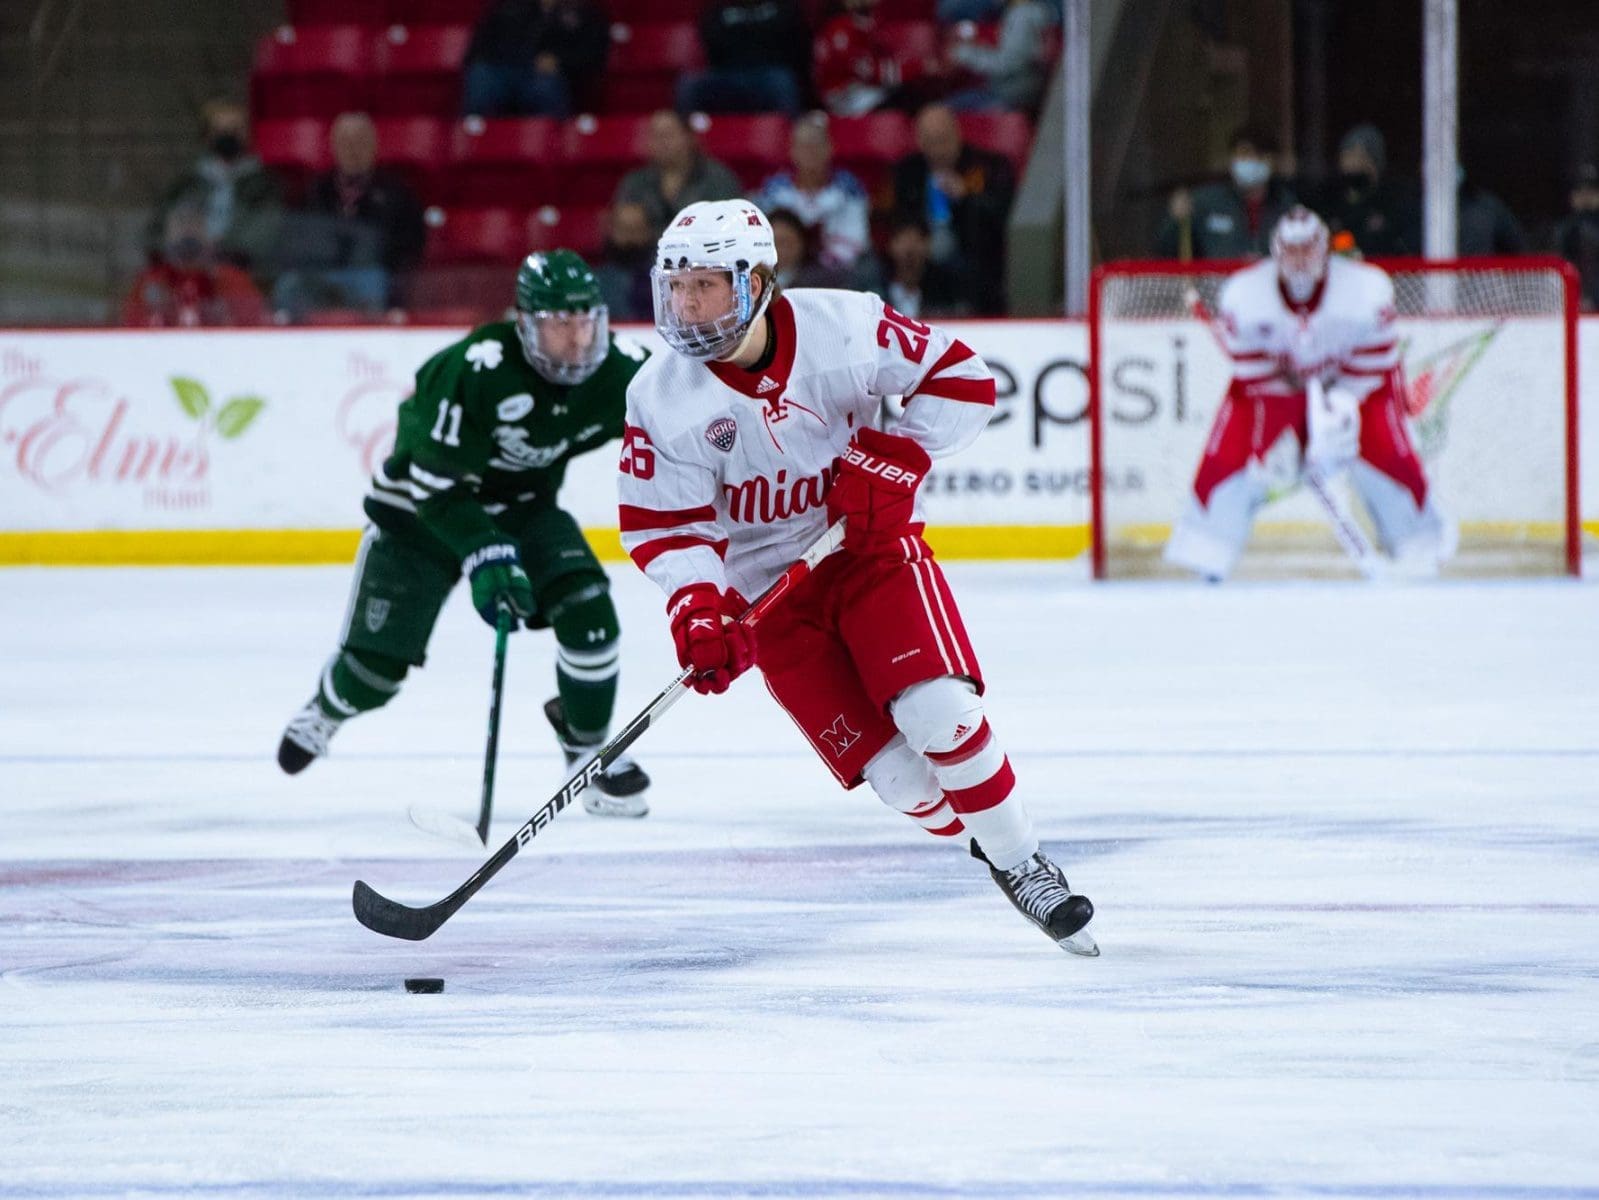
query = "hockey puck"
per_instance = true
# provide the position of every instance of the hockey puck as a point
(424, 985)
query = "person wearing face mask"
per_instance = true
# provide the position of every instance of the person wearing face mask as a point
(1577, 237)
(1315, 394)
(241, 199)
(1381, 214)
(186, 287)
(1231, 219)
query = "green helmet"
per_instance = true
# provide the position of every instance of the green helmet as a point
(561, 317)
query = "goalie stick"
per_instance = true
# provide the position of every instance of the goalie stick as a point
(393, 919)
(1344, 527)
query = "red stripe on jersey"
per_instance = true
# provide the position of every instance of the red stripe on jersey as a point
(968, 749)
(1380, 348)
(969, 391)
(1248, 355)
(784, 345)
(958, 352)
(644, 555)
(953, 829)
(1370, 371)
(635, 519)
(988, 794)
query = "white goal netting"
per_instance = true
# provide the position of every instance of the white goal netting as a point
(1488, 350)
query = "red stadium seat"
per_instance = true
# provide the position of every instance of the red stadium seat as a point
(905, 10)
(313, 71)
(478, 235)
(515, 161)
(1007, 133)
(754, 146)
(645, 61)
(418, 70)
(599, 151)
(580, 229)
(417, 147)
(295, 149)
(470, 293)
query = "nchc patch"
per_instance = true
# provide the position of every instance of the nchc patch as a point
(721, 432)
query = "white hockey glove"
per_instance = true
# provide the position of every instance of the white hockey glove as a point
(1333, 420)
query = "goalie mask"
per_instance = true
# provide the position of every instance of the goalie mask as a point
(1299, 247)
(561, 318)
(705, 304)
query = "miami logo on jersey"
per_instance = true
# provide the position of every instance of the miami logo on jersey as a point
(761, 500)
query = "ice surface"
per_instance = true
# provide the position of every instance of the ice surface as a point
(1343, 840)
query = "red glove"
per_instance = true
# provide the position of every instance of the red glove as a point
(708, 638)
(874, 490)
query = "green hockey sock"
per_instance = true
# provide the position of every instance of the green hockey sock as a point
(355, 682)
(586, 661)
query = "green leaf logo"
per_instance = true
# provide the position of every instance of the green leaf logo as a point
(192, 396)
(237, 414)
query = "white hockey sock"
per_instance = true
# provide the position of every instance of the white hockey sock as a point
(943, 718)
(904, 781)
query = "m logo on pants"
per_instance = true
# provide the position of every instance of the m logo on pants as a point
(377, 612)
(840, 737)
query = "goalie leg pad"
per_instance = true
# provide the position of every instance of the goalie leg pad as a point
(587, 637)
(1417, 535)
(943, 720)
(904, 780)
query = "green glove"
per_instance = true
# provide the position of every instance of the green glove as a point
(497, 579)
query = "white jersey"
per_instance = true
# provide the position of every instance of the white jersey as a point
(725, 472)
(1346, 335)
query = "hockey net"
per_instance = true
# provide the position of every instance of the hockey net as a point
(1488, 348)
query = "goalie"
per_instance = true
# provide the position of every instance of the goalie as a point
(1316, 392)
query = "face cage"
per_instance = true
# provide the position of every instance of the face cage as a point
(707, 339)
(1301, 267)
(557, 370)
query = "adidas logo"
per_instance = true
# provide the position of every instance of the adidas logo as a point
(767, 384)
(961, 731)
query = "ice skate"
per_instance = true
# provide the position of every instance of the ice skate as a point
(307, 737)
(618, 790)
(1039, 890)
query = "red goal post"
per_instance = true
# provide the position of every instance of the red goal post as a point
(1489, 353)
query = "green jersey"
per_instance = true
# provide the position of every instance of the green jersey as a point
(484, 432)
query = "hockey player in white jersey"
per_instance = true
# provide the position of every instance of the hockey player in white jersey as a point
(763, 427)
(1316, 389)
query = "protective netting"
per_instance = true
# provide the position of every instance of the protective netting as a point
(1488, 386)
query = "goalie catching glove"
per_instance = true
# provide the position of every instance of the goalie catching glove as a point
(874, 491)
(708, 637)
(497, 579)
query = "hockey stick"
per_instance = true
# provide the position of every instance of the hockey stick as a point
(502, 635)
(393, 919)
(1344, 528)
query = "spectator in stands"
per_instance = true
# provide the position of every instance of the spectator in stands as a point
(797, 262)
(1577, 237)
(964, 196)
(187, 285)
(758, 54)
(913, 282)
(677, 175)
(1232, 219)
(1014, 70)
(1484, 222)
(241, 199)
(856, 69)
(1382, 215)
(829, 200)
(530, 57)
(623, 269)
(360, 235)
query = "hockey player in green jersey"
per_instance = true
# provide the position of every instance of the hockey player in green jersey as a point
(479, 455)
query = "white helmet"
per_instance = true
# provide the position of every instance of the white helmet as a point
(1299, 247)
(731, 236)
